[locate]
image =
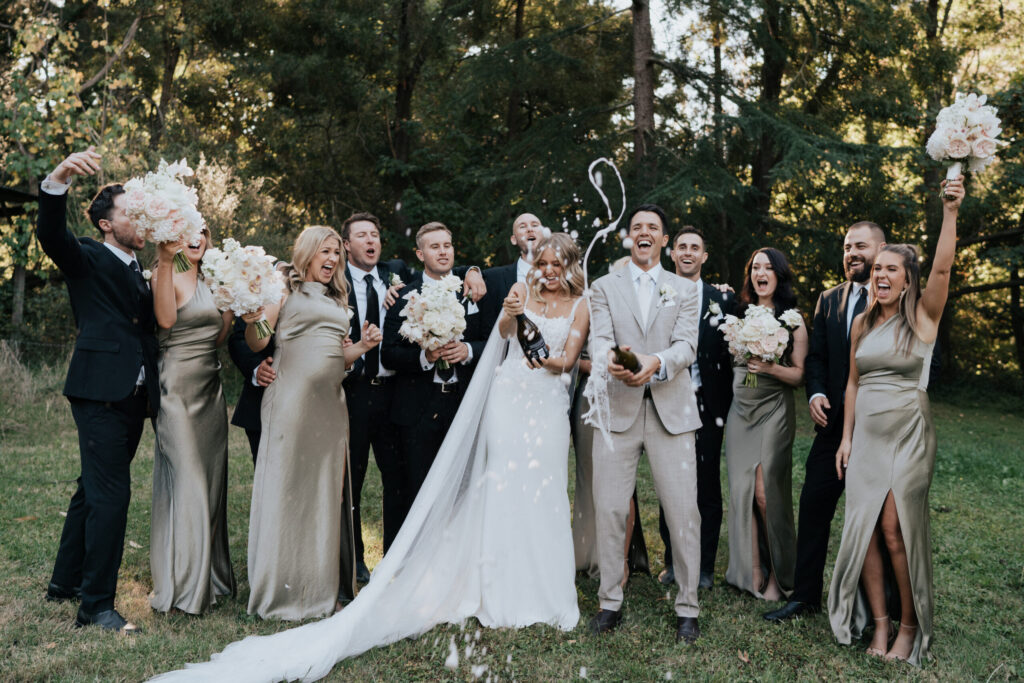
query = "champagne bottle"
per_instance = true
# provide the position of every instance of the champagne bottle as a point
(627, 359)
(530, 338)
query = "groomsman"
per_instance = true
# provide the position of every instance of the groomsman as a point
(711, 378)
(827, 368)
(526, 234)
(653, 313)
(426, 398)
(369, 387)
(257, 368)
(112, 385)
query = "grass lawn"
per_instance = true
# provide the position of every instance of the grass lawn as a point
(978, 546)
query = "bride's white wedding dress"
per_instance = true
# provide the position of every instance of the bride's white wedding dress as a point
(488, 535)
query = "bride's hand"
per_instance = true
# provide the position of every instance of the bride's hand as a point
(512, 305)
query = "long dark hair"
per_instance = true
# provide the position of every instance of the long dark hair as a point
(784, 298)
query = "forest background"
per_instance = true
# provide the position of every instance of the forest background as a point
(764, 122)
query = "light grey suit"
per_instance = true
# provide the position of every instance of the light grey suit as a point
(662, 425)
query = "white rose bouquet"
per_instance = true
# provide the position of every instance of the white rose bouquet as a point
(759, 334)
(434, 316)
(966, 132)
(163, 208)
(242, 279)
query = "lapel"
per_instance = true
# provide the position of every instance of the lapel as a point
(357, 326)
(703, 322)
(844, 300)
(129, 281)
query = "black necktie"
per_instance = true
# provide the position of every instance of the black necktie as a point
(858, 307)
(372, 358)
(140, 281)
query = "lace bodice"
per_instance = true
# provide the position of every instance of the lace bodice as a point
(555, 332)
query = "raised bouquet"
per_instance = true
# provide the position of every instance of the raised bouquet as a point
(163, 208)
(967, 131)
(434, 316)
(759, 334)
(243, 279)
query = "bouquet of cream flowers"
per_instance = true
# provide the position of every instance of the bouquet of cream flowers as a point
(242, 279)
(759, 334)
(434, 316)
(163, 208)
(966, 132)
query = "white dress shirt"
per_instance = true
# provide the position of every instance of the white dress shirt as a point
(645, 291)
(851, 302)
(359, 287)
(522, 270)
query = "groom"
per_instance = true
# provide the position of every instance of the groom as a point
(112, 385)
(652, 312)
(426, 398)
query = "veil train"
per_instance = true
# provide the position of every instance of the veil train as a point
(430, 575)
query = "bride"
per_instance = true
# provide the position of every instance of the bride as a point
(489, 535)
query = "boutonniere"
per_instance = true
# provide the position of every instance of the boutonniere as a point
(147, 274)
(667, 294)
(396, 281)
(714, 310)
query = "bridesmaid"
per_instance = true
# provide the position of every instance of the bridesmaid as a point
(759, 444)
(188, 552)
(301, 546)
(888, 452)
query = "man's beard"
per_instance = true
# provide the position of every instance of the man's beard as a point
(859, 276)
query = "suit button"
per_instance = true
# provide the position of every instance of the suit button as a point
(135, 321)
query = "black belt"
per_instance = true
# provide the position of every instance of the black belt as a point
(379, 381)
(448, 387)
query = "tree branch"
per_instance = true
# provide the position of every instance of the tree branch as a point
(985, 288)
(114, 57)
(976, 239)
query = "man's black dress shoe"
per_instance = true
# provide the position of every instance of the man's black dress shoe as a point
(707, 580)
(605, 620)
(687, 630)
(108, 620)
(58, 593)
(667, 576)
(791, 610)
(362, 573)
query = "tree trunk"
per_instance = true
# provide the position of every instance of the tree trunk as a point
(172, 52)
(407, 75)
(773, 67)
(643, 96)
(514, 117)
(1017, 318)
(717, 39)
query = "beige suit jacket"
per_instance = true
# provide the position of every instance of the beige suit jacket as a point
(671, 331)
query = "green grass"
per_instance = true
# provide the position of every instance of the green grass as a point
(978, 545)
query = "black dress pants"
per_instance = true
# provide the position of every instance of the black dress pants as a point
(818, 499)
(253, 435)
(709, 491)
(92, 542)
(421, 441)
(369, 424)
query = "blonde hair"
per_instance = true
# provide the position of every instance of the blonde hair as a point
(907, 328)
(568, 254)
(307, 244)
(432, 226)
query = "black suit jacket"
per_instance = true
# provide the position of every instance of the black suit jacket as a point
(247, 411)
(113, 310)
(713, 359)
(413, 384)
(499, 281)
(828, 361)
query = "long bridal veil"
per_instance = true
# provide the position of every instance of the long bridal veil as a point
(430, 575)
